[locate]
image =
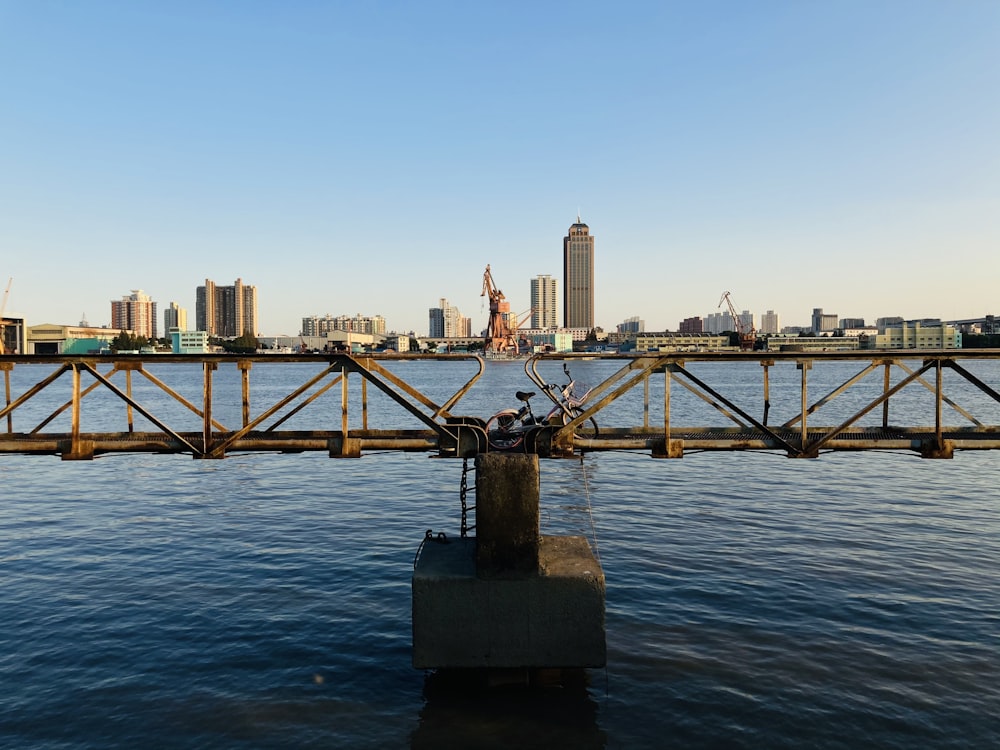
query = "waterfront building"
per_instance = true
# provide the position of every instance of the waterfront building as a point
(865, 333)
(579, 334)
(134, 312)
(550, 340)
(682, 342)
(398, 342)
(822, 321)
(623, 340)
(226, 311)
(777, 342)
(920, 335)
(48, 338)
(578, 277)
(769, 322)
(559, 339)
(544, 302)
(691, 325)
(175, 316)
(846, 323)
(13, 335)
(316, 326)
(188, 342)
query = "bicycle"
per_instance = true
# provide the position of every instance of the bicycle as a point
(507, 429)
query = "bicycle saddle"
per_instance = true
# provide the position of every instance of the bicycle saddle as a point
(524, 396)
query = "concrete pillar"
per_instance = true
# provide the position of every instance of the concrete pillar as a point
(507, 514)
(510, 598)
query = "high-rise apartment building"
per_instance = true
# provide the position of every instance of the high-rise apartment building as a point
(632, 325)
(226, 311)
(578, 277)
(823, 321)
(719, 322)
(544, 302)
(691, 325)
(174, 316)
(770, 322)
(447, 322)
(135, 312)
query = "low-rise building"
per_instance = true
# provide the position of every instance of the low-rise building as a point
(917, 335)
(189, 342)
(14, 335)
(49, 338)
(398, 342)
(553, 341)
(682, 342)
(785, 342)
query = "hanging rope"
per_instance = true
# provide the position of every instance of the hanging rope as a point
(590, 510)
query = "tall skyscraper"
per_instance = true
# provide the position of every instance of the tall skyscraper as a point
(544, 302)
(578, 277)
(770, 322)
(174, 316)
(226, 311)
(135, 312)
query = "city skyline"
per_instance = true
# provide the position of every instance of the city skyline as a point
(797, 155)
(715, 321)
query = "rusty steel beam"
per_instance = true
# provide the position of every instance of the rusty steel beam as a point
(452, 435)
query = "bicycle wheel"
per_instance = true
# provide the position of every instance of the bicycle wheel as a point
(558, 417)
(503, 431)
(577, 412)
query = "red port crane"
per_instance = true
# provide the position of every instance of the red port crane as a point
(500, 336)
(748, 337)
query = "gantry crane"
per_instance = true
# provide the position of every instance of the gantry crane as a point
(748, 337)
(500, 334)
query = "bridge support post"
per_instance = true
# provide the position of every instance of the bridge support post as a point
(509, 598)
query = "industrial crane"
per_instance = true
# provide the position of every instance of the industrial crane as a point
(500, 336)
(3, 306)
(747, 337)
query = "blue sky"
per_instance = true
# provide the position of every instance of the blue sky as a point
(373, 157)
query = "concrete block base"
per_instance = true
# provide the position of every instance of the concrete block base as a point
(550, 618)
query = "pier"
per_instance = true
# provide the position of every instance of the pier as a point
(61, 396)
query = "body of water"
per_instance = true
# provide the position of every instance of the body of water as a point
(264, 600)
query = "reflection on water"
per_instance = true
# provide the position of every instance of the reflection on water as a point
(470, 709)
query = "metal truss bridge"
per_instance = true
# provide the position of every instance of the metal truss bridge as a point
(929, 402)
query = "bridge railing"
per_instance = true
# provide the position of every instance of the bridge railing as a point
(95, 383)
(886, 378)
(669, 404)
